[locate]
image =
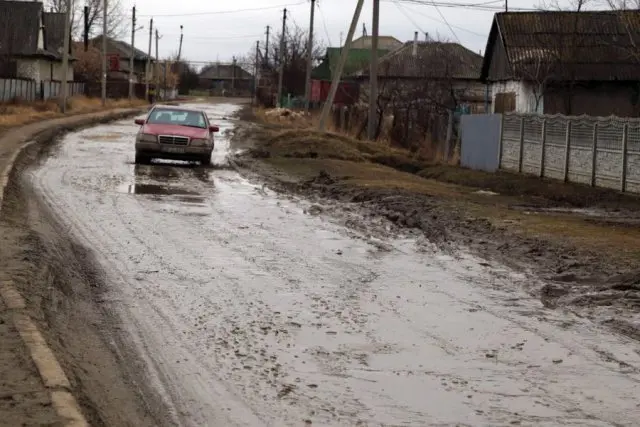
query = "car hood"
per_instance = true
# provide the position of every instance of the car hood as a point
(162, 129)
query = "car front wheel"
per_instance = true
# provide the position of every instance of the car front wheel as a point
(206, 160)
(141, 159)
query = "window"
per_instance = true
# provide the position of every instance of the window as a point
(178, 117)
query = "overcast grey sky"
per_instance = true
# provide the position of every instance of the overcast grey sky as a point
(216, 30)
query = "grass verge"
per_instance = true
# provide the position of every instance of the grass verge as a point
(18, 114)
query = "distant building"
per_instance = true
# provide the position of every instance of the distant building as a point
(119, 56)
(226, 77)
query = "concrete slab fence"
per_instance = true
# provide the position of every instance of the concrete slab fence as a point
(597, 151)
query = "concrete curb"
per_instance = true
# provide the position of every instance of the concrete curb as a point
(52, 374)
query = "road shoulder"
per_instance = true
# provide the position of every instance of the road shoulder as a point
(35, 388)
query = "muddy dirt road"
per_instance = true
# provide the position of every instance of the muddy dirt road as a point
(252, 308)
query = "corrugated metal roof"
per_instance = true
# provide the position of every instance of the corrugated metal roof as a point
(19, 27)
(590, 45)
(432, 60)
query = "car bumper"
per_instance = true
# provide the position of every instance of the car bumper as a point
(172, 152)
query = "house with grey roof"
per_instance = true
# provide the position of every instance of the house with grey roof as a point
(448, 74)
(565, 62)
(119, 55)
(31, 42)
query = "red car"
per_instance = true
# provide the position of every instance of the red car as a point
(175, 133)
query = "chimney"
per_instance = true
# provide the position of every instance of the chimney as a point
(415, 43)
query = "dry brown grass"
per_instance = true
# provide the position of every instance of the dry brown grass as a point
(18, 114)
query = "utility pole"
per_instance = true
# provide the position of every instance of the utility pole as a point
(65, 57)
(506, 5)
(148, 67)
(180, 46)
(266, 49)
(157, 69)
(257, 71)
(104, 53)
(233, 77)
(166, 64)
(373, 73)
(86, 28)
(282, 57)
(307, 90)
(133, 51)
(326, 109)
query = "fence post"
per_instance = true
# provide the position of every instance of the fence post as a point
(567, 148)
(500, 141)
(543, 143)
(623, 175)
(594, 155)
(521, 149)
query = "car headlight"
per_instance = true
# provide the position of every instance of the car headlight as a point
(198, 142)
(147, 137)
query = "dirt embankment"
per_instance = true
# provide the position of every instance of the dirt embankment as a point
(63, 293)
(584, 242)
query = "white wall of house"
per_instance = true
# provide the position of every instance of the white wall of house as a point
(41, 69)
(52, 70)
(29, 69)
(525, 94)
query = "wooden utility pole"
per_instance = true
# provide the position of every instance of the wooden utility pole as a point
(133, 51)
(373, 73)
(266, 49)
(326, 109)
(148, 67)
(86, 28)
(233, 76)
(282, 57)
(104, 53)
(164, 84)
(156, 80)
(180, 46)
(256, 79)
(65, 58)
(307, 90)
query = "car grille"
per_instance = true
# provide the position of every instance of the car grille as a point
(173, 140)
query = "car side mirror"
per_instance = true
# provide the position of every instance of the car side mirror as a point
(139, 122)
(214, 129)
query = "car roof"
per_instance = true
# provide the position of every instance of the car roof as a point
(177, 108)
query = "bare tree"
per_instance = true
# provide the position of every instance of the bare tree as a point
(422, 91)
(116, 25)
(294, 58)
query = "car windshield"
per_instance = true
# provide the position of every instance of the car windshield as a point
(177, 117)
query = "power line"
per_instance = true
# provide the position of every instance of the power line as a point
(489, 6)
(324, 24)
(223, 12)
(247, 36)
(424, 15)
(406, 15)
(445, 21)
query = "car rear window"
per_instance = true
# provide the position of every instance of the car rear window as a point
(178, 117)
